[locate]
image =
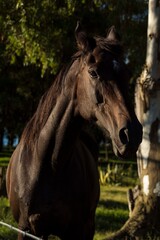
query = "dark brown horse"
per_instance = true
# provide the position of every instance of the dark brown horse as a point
(52, 177)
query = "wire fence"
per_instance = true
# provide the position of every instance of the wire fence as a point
(20, 231)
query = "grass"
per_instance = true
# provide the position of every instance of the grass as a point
(6, 216)
(112, 212)
(4, 161)
(4, 157)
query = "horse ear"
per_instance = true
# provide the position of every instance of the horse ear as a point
(81, 37)
(83, 41)
(112, 34)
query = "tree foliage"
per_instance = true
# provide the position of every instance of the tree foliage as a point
(37, 38)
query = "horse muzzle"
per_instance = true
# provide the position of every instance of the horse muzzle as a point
(126, 144)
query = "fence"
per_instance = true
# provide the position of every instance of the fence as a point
(20, 231)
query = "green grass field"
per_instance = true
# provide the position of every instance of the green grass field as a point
(5, 156)
(112, 212)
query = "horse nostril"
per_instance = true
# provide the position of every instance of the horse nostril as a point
(124, 136)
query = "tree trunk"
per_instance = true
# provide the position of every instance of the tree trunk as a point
(144, 220)
(148, 112)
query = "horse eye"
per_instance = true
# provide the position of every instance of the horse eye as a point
(93, 73)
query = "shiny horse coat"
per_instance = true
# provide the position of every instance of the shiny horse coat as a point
(52, 177)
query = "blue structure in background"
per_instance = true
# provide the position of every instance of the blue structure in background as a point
(6, 141)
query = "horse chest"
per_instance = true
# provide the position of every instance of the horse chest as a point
(68, 197)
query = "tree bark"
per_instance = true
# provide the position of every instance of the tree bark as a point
(148, 108)
(147, 97)
(148, 112)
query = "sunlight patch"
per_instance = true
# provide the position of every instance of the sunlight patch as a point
(146, 184)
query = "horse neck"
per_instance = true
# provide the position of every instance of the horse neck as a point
(52, 135)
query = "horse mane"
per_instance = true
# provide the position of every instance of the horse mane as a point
(45, 106)
(48, 100)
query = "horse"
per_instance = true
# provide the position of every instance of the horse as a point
(52, 177)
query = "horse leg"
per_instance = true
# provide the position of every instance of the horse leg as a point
(23, 226)
(80, 233)
(89, 229)
(35, 221)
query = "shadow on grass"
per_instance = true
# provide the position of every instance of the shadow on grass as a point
(110, 215)
(112, 204)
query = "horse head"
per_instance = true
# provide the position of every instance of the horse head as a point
(102, 90)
